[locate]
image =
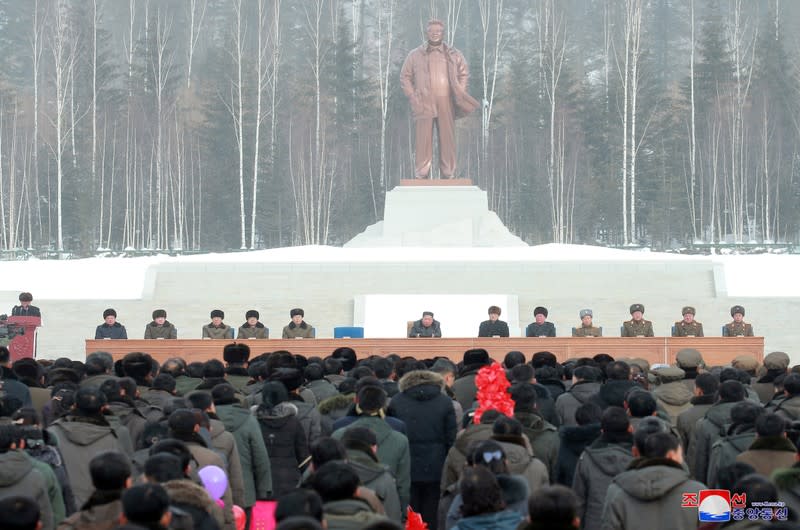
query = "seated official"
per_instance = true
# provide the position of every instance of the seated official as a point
(425, 327)
(586, 328)
(110, 329)
(540, 328)
(25, 309)
(216, 329)
(737, 328)
(494, 327)
(298, 328)
(637, 326)
(688, 327)
(160, 327)
(252, 328)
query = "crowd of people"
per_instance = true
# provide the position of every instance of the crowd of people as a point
(427, 326)
(340, 442)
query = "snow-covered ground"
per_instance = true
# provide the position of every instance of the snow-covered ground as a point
(766, 275)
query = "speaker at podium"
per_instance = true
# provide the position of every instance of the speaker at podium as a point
(23, 343)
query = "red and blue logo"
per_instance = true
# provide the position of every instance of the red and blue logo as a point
(714, 506)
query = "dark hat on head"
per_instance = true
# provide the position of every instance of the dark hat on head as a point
(477, 356)
(689, 358)
(236, 353)
(643, 364)
(359, 438)
(25, 297)
(539, 310)
(585, 313)
(252, 314)
(90, 400)
(27, 368)
(159, 313)
(748, 363)
(776, 360)
(224, 394)
(182, 421)
(637, 307)
(109, 313)
(688, 309)
(62, 375)
(137, 364)
(291, 378)
(218, 313)
(737, 309)
(296, 311)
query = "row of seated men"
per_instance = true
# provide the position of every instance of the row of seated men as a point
(252, 328)
(407, 430)
(637, 326)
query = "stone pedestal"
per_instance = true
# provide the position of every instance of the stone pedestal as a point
(437, 216)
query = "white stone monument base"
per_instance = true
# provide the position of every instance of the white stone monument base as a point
(437, 216)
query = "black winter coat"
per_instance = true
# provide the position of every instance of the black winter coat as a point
(286, 445)
(430, 422)
(574, 439)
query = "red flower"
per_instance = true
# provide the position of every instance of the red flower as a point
(493, 393)
(414, 520)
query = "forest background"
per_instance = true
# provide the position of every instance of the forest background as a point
(214, 125)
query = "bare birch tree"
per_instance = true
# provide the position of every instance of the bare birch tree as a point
(197, 13)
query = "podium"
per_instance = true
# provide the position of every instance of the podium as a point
(24, 345)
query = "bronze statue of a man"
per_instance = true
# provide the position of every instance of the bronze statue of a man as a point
(434, 78)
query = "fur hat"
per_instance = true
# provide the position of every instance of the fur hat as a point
(737, 309)
(109, 313)
(62, 375)
(477, 356)
(137, 364)
(224, 394)
(25, 297)
(637, 307)
(688, 309)
(159, 313)
(236, 352)
(218, 313)
(252, 314)
(296, 311)
(776, 360)
(689, 358)
(585, 313)
(539, 310)
(748, 363)
(291, 378)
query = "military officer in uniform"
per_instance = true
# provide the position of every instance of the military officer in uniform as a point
(737, 328)
(688, 327)
(637, 326)
(586, 328)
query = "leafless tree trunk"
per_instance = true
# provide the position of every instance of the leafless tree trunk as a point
(36, 53)
(385, 16)
(197, 12)
(262, 79)
(489, 9)
(636, 37)
(692, 131)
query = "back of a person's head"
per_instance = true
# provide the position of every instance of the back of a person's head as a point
(522, 373)
(274, 393)
(335, 481)
(110, 470)
(588, 413)
(371, 399)
(707, 383)
(137, 365)
(757, 488)
(332, 366)
(195, 370)
(546, 373)
(299, 522)
(553, 507)
(382, 367)
(489, 454)
(164, 382)
(729, 475)
(444, 366)
(111, 389)
(480, 492)
(174, 366)
(543, 358)
(614, 421)
(791, 384)
(163, 467)
(618, 371)
(506, 426)
(641, 404)
(326, 449)
(731, 391)
(200, 399)
(173, 447)
(729, 374)
(299, 502)
(213, 368)
(94, 365)
(145, 504)
(19, 513)
(128, 384)
(587, 373)
(512, 359)
(658, 445)
(771, 425)
(313, 372)
(347, 356)
(524, 396)
(646, 428)
(89, 401)
(745, 413)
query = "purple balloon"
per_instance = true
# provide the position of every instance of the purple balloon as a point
(215, 481)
